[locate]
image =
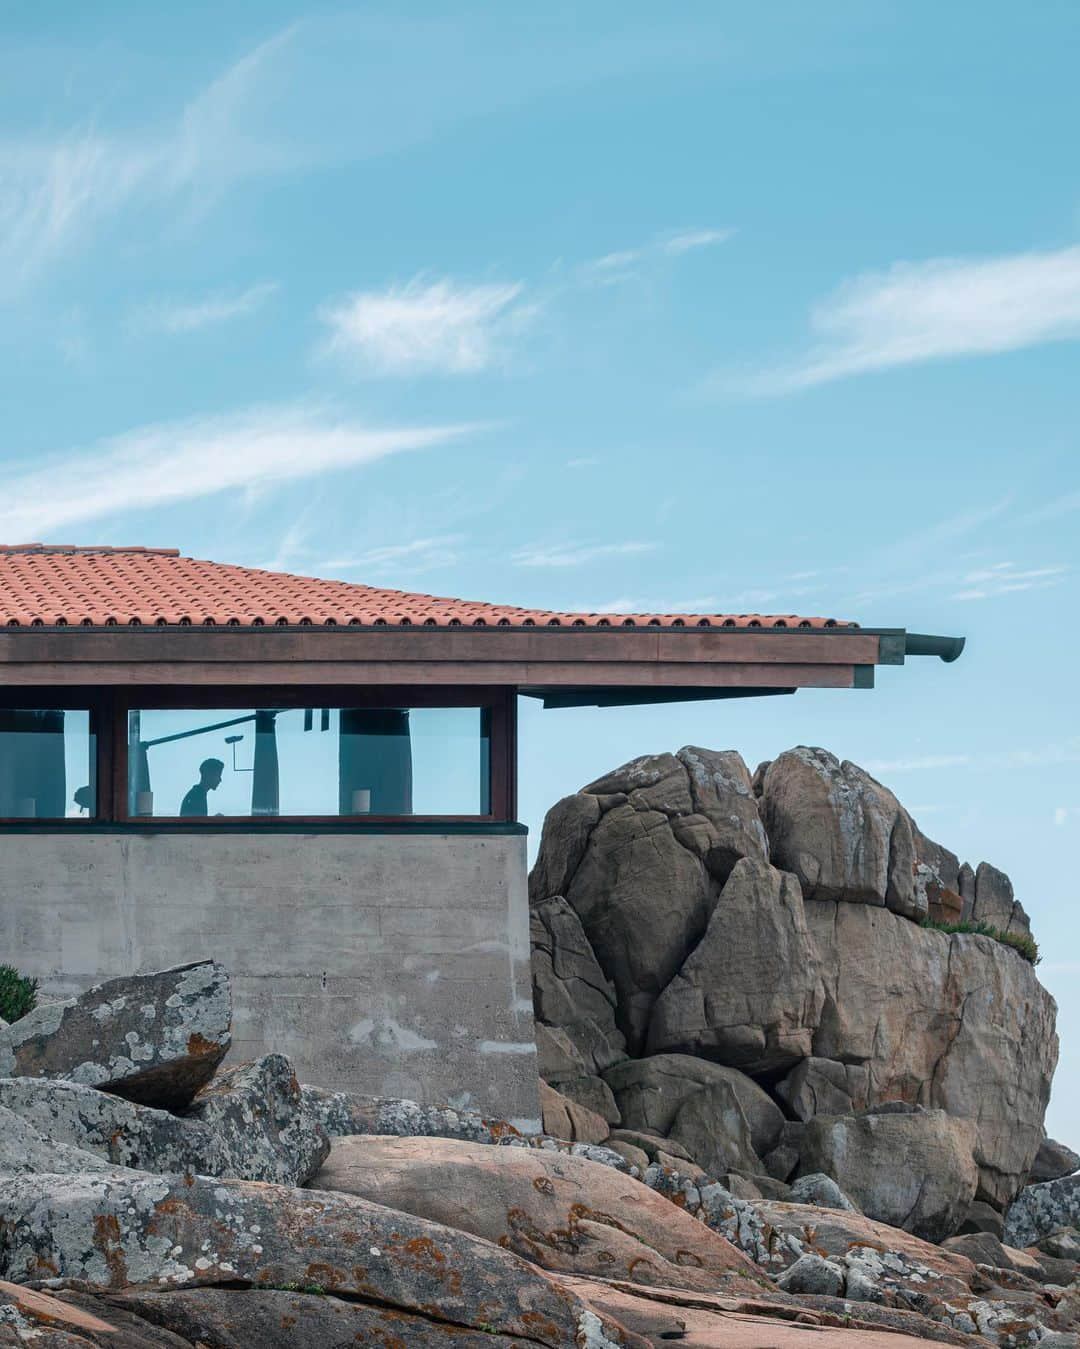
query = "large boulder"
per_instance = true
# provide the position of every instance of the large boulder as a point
(257, 1113)
(167, 1232)
(996, 905)
(645, 849)
(911, 1168)
(954, 1022)
(1040, 1210)
(563, 1213)
(712, 1128)
(750, 994)
(842, 834)
(1053, 1161)
(824, 1087)
(248, 1124)
(153, 1038)
(572, 999)
(565, 1119)
(651, 1092)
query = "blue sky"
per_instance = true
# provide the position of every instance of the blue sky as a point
(612, 306)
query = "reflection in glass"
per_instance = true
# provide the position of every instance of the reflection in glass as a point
(46, 764)
(307, 761)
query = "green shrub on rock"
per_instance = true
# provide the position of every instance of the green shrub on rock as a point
(1020, 942)
(18, 993)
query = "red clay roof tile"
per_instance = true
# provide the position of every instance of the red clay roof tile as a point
(52, 584)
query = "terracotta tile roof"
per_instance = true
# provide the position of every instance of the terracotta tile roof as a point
(51, 584)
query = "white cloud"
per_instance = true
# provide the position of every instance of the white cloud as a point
(434, 326)
(622, 265)
(932, 310)
(1005, 578)
(177, 316)
(163, 464)
(404, 558)
(690, 239)
(571, 555)
(57, 189)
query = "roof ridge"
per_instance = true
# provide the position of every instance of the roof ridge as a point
(87, 548)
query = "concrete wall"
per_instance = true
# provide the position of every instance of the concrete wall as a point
(395, 964)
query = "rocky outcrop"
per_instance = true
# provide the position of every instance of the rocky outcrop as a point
(958, 1023)
(996, 905)
(565, 1119)
(909, 1168)
(1053, 1161)
(1040, 1210)
(256, 1112)
(650, 844)
(345, 1112)
(112, 1232)
(774, 926)
(155, 1038)
(651, 1092)
(750, 994)
(562, 1213)
(248, 1125)
(842, 834)
(570, 995)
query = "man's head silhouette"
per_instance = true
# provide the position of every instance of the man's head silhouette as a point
(210, 771)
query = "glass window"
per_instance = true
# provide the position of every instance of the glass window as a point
(308, 761)
(46, 764)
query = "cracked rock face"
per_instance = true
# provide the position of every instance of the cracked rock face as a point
(842, 834)
(174, 1232)
(958, 1023)
(914, 1171)
(571, 993)
(750, 994)
(152, 1038)
(648, 847)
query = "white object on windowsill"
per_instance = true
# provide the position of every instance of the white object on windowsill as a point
(144, 803)
(361, 801)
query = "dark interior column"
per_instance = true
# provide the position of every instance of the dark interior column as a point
(375, 755)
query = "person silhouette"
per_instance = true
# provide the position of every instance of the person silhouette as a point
(84, 799)
(195, 802)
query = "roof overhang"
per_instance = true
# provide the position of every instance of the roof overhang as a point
(566, 666)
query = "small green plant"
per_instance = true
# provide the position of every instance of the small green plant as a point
(1028, 947)
(18, 993)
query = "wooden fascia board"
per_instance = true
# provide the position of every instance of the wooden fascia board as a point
(185, 647)
(525, 674)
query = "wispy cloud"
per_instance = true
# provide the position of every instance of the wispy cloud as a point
(179, 316)
(574, 555)
(59, 188)
(163, 464)
(623, 264)
(686, 240)
(1063, 814)
(1040, 756)
(945, 307)
(1006, 578)
(418, 555)
(434, 326)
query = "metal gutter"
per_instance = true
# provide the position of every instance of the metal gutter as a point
(922, 644)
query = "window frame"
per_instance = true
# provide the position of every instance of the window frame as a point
(109, 709)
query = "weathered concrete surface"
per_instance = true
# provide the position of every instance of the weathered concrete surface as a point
(155, 1038)
(394, 965)
(115, 1232)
